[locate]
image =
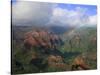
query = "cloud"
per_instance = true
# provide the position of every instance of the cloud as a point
(92, 20)
(37, 13)
(74, 18)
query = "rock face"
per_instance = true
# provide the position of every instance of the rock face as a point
(54, 59)
(79, 64)
(56, 62)
(42, 39)
(47, 43)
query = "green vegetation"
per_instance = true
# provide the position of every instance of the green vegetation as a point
(21, 60)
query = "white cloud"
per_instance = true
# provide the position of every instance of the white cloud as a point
(25, 12)
(93, 20)
(37, 13)
(77, 17)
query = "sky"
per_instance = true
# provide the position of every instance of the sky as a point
(42, 13)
